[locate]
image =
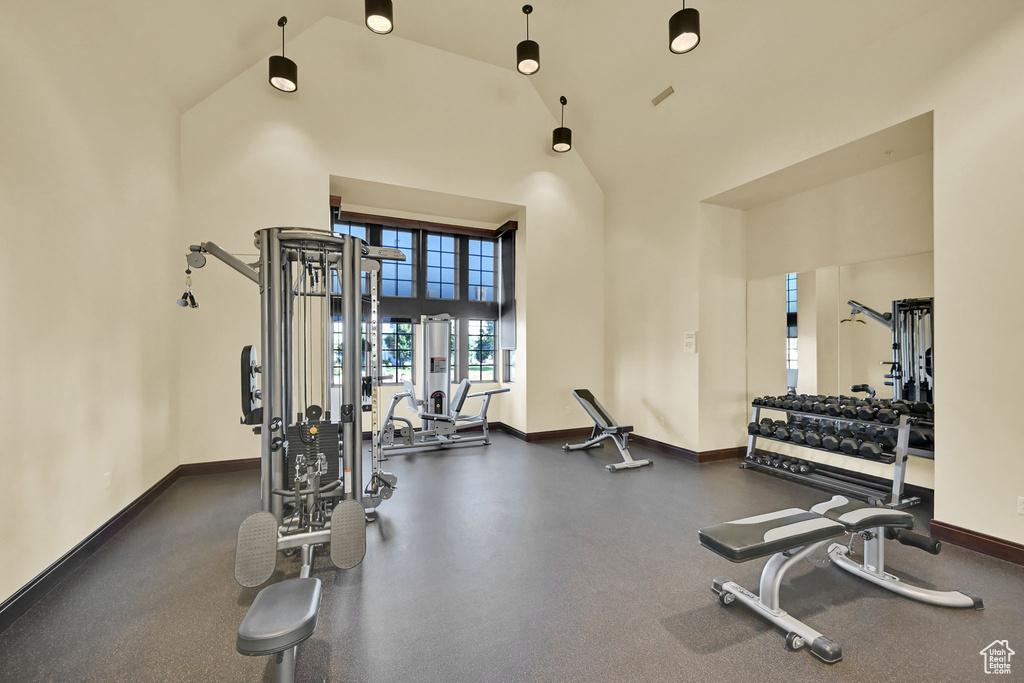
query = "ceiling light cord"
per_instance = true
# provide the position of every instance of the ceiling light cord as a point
(281, 22)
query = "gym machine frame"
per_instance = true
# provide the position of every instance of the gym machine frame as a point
(285, 614)
(846, 485)
(442, 425)
(912, 371)
(348, 257)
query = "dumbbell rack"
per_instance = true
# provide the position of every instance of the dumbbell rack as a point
(846, 484)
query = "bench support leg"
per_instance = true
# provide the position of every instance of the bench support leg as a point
(284, 666)
(596, 439)
(798, 634)
(873, 569)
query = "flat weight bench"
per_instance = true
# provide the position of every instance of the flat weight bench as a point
(792, 535)
(605, 427)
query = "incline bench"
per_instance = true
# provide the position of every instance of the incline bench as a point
(792, 535)
(605, 427)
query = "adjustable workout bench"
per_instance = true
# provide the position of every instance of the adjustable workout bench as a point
(792, 535)
(605, 427)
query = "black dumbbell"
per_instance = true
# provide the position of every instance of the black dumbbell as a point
(813, 438)
(867, 412)
(782, 432)
(767, 426)
(922, 441)
(921, 408)
(753, 428)
(830, 442)
(877, 446)
(797, 435)
(850, 445)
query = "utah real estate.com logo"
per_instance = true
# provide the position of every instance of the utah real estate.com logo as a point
(997, 657)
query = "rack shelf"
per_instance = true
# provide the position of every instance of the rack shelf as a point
(897, 459)
(886, 459)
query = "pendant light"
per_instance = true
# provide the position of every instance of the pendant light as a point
(684, 30)
(380, 16)
(528, 51)
(284, 74)
(561, 138)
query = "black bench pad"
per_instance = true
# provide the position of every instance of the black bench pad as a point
(857, 516)
(282, 616)
(774, 532)
(618, 429)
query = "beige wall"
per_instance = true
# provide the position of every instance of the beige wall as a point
(382, 111)
(875, 215)
(978, 170)
(90, 268)
(766, 340)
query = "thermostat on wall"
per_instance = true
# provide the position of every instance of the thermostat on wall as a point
(689, 342)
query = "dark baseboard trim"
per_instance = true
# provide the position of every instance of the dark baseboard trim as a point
(34, 591)
(530, 437)
(667, 449)
(978, 542)
(660, 446)
(510, 430)
(218, 467)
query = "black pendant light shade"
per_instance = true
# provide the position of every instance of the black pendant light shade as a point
(561, 138)
(380, 16)
(684, 30)
(528, 51)
(284, 74)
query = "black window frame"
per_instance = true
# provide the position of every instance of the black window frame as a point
(462, 309)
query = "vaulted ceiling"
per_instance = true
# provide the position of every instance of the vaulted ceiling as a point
(609, 58)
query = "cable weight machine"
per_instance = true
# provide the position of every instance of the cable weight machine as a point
(311, 489)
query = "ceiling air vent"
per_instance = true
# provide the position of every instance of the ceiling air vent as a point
(662, 96)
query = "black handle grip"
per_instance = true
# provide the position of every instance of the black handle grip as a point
(915, 540)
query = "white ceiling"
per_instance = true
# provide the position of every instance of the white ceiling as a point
(608, 57)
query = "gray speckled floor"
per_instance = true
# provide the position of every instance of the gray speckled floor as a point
(517, 562)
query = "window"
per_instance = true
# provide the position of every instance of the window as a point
(448, 269)
(396, 352)
(481, 270)
(791, 334)
(338, 360)
(480, 334)
(353, 229)
(440, 267)
(510, 366)
(396, 276)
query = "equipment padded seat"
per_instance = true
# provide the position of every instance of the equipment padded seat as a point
(282, 616)
(856, 516)
(774, 532)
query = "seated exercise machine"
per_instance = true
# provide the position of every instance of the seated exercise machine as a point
(605, 427)
(311, 490)
(443, 424)
(792, 535)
